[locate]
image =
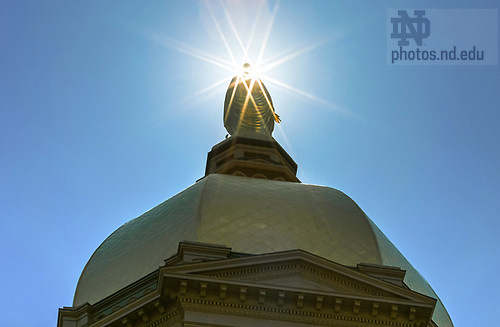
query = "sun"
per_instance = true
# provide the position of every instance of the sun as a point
(245, 56)
(247, 71)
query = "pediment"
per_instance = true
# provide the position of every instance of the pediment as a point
(293, 286)
(294, 274)
(296, 271)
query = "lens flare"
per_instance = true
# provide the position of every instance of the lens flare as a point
(245, 58)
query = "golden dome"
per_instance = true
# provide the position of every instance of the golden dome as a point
(249, 215)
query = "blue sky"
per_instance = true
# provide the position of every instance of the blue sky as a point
(108, 108)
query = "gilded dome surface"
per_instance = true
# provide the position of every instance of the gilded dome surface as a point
(249, 215)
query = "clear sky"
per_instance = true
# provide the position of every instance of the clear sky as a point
(108, 108)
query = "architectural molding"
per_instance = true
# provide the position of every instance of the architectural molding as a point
(220, 287)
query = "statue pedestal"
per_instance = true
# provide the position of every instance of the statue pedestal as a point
(251, 157)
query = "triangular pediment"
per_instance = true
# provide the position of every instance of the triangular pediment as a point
(296, 271)
(293, 273)
(205, 281)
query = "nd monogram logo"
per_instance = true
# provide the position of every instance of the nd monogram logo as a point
(416, 25)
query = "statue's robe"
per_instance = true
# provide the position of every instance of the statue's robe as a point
(248, 115)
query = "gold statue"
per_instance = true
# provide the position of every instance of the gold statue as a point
(248, 108)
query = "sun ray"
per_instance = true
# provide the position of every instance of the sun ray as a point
(254, 28)
(260, 65)
(260, 113)
(228, 48)
(193, 52)
(301, 48)
(287, 141)
(200, 92)
(235, 32)
(249, 97)
(276, 117)
(290, 56)
(259, 83)
(245, 104)
(311, 97)
(237, 81)
(268, 33)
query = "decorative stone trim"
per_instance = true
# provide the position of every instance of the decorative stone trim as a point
(224, 306)
(168, 316)
(288, 267)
